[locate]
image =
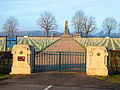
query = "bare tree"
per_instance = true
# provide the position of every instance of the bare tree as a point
(109, 24)
(77, 21)
(11, 25)
(89, 24)
(47, 22)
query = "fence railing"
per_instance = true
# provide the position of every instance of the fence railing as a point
(114, 61)
(60, 61)
(5, 61)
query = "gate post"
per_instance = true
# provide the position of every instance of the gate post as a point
(23, 58)
(97, 61)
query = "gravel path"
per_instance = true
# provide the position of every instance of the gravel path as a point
(66, 44)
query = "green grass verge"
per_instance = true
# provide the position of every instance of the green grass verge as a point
(111, 79)
(5, 76)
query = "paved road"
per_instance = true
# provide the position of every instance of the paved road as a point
(66, 44)
(56, 81)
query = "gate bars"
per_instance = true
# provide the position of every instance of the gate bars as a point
(59, 61)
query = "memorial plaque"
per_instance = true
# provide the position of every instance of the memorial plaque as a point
(21, 58)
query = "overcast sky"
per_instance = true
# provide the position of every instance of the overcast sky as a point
(28, 11)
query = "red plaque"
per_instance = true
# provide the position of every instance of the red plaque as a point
(21, 58)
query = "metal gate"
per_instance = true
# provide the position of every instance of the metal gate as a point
(60, 61)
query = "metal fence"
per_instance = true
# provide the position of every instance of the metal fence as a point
(60, 61)
(5, 61)
(114, 61)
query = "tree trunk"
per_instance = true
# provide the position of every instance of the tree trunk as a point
(78, 31)
(109, 33)
(47, 33)
(86, 33)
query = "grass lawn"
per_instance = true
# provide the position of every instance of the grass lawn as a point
(5, 76)
(111, 79)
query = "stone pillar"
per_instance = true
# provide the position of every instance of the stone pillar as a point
(97, 61)
(66, 32)
(23, 59)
